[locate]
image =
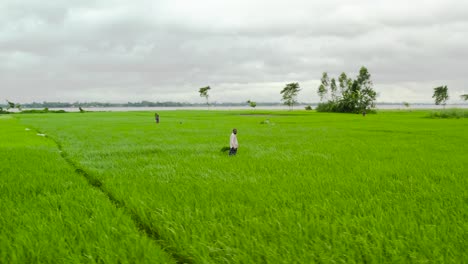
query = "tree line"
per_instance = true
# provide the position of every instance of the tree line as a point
(4, 108)
(349, 95)
(11, 105)
(344, 94)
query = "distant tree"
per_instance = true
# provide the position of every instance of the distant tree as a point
(204, 93)
(441, 95)
(406, 104)
(356, 96)
(10, 105)
(252, 104)
(343, 81)
(367, 95)
(464, 97)
(333, 89)
(323, 87)
(290, 93)
(308, 108)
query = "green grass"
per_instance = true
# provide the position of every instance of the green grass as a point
(49, 214)
(305, 187)
(449, 113)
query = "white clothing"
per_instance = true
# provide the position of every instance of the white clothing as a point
(233, 143)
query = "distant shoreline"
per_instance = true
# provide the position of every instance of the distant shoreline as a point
(221, 108)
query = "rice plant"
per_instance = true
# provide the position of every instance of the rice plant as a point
(313, 188)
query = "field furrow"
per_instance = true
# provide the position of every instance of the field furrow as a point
(49, 213)
(304, 187)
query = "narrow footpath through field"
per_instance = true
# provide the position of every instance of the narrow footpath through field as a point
(49, 213)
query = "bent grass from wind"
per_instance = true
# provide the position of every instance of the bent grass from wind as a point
(49, 214)
(313, 187)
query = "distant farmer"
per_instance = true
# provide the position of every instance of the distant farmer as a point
(156, 116)
(233, 143)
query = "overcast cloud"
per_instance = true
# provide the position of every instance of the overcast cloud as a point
(119, 51)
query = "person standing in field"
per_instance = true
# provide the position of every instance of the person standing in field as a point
(156, 116)
(233, 144)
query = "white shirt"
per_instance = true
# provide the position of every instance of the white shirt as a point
(233, 143)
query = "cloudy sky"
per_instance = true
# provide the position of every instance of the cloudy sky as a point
(161, 50)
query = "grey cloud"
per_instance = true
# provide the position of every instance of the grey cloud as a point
(116, 50)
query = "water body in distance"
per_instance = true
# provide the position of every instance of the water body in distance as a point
(221, 108)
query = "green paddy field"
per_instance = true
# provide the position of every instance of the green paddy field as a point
(305, 187)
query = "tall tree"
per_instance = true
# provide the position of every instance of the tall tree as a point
(441, 95)
(333, 89)
(343, 81)
(367, 94)
(290, 93)
(204, 93)
(323, 87)
(464, 97)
